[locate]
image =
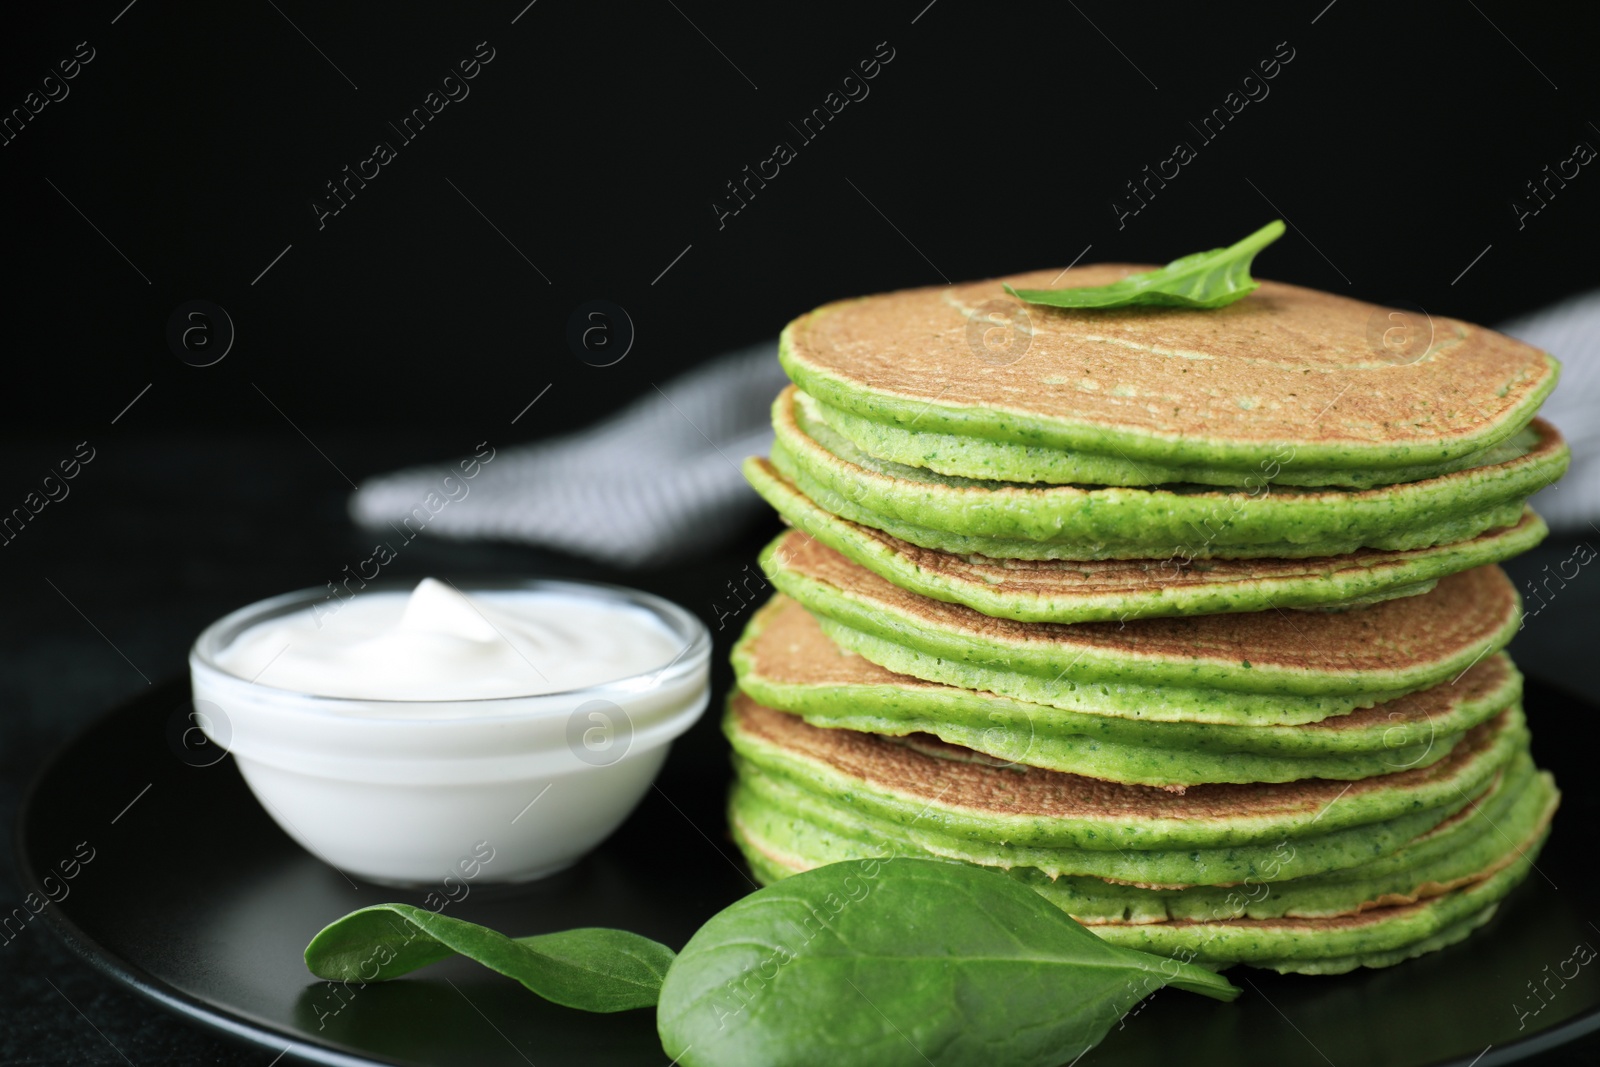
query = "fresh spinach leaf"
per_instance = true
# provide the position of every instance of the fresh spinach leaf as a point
(868, 962)
(592, 969)
(1211, 279)
(903, 961)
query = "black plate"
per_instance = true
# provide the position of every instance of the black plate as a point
(196, 899)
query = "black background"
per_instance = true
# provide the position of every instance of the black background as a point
(599, 136)
(415, 323)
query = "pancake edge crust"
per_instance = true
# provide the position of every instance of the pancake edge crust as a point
(1068, 522)
(1188, 675)
(1007, 461)
(1166, 587)
(1036, 813)
(1469, 846)
(855, 694)
(1376, 937)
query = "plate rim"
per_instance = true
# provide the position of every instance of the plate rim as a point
(236, 1025)
(261, 1034)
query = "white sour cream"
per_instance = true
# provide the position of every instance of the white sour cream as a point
(438, 644)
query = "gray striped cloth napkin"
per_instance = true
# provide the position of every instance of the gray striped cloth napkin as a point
(1570, 331)
(659, 481)
(656, 482)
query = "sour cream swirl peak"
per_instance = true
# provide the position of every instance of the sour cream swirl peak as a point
(436, 643)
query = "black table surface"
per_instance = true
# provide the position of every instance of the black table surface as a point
(106, 589)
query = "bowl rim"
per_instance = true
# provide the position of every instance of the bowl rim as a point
(680, 622)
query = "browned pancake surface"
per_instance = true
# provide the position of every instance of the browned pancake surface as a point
(1462, 611)
(1068, 580)
(791, 649)
(1547, 443)
(916, 774)
(1285, 364)
(1387, 905)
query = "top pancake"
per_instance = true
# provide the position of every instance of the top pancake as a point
(1285, 367)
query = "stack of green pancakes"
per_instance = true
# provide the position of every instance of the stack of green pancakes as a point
(1190, 620)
